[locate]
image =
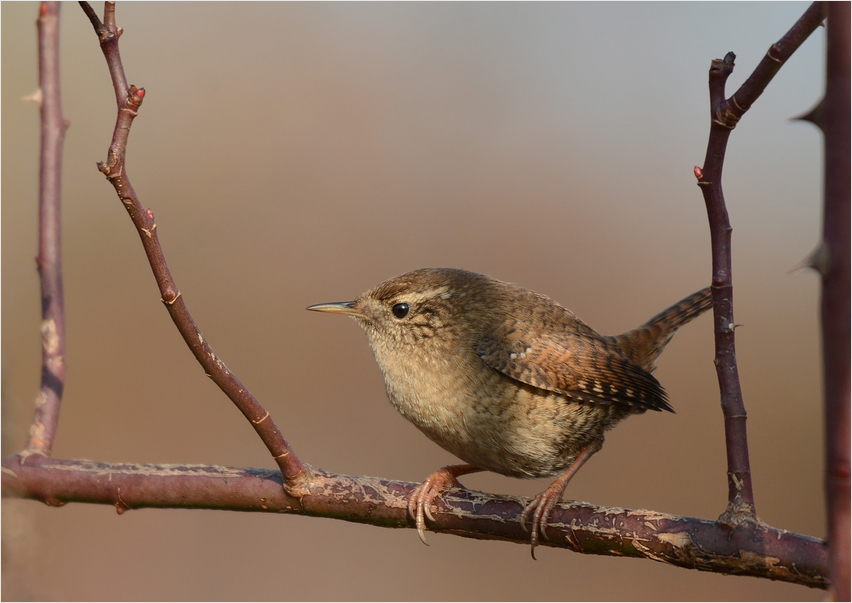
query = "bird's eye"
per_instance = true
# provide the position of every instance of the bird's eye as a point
(400, 310)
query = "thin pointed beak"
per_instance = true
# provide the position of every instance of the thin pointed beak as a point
(347, 307)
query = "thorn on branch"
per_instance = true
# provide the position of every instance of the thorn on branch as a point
(813, 116)
(35, 97)
(818, 260)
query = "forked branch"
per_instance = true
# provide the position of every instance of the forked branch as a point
(725, 114)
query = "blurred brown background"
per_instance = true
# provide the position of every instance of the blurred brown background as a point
(302, 153)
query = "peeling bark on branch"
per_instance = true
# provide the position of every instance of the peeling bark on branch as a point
(748, 550)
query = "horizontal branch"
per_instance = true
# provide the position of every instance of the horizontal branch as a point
(749, 550)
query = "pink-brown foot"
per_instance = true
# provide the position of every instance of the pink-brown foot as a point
(421, 499)
(544, 502)
(543, 505)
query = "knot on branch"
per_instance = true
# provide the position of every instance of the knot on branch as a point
(299, 485)
(727, 117)
(105, 36)
(741, 515)
(111, 168)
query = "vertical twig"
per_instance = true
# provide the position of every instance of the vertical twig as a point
(740, 493)
(724, 115)
(49, 260)
(835, 269)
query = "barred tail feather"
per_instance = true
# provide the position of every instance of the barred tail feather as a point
(645, 344)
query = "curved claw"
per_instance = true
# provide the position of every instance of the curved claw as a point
(526, 512)
(543, 503)
(421, 499)
(421, 527)
(418, 507)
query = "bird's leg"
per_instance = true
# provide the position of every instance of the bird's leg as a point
(544, 502)
(424, 494)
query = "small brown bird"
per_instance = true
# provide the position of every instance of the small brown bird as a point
(505, 378)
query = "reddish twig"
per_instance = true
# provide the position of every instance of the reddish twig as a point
(731, 110)
(724, 117)
(834, 264)
(749, 550)
(53, 127)
(129, 99)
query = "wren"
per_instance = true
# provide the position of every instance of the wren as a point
(507, 379)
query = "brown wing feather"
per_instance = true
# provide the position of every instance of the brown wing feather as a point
(579, 366)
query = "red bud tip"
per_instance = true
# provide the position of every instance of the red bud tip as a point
(42, 10)
(149, 213)
(698, 172)
(140, 93)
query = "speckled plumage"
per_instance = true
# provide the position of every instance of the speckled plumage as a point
(505, 378)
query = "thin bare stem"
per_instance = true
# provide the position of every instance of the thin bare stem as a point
(53, 127)
(741, 101)
(725, 115)
(129, 100)
(835, 268)
(108, 35)
(753, 550)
